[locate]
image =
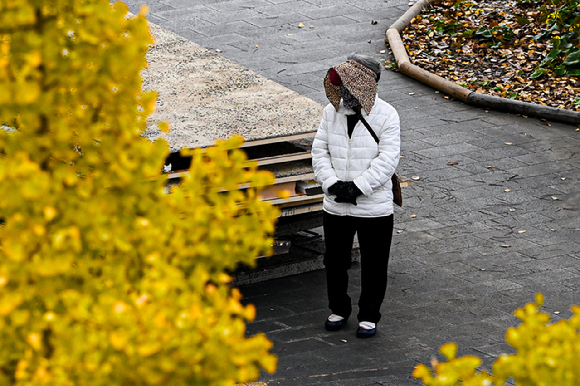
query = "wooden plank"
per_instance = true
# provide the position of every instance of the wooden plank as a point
(300, 199)
(276, 164)
(178, 174)
(283, 158)
(273, 191)
(282, 138)
(300, 177)
(302, 209)
(297, 177)
(281, 180)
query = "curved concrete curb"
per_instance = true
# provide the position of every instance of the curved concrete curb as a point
(454, 90)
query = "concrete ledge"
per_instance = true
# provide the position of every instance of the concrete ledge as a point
(405, 20)
(451, 88)
(269, 273)
(524, 108)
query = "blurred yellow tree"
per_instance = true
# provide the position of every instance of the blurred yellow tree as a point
(547, 354)
(104, 278)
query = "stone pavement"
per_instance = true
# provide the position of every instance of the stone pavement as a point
(474, 240)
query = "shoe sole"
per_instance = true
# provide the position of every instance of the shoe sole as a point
(334, 327)
(365, 335)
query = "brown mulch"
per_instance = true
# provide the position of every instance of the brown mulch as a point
(438, 40)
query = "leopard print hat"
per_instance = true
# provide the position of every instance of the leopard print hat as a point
(358, 79)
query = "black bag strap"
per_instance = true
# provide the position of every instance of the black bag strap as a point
(364, 121)
(397, 197)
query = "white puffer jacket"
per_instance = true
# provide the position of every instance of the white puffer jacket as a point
(336, 157)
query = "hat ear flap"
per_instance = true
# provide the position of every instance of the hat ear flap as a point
(332, 90)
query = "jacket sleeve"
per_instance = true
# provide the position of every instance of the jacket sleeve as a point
(383, 166)
(323, 171)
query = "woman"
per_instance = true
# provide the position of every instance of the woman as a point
(354, 168)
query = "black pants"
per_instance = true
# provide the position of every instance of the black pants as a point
(374, 237)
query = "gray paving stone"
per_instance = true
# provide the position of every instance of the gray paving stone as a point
(495, 350)
(156, 19)
(290, 18)
(265, 326)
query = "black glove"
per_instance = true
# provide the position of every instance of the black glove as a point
(336, 187)
(348, 192)
(350, 200)
(352, 189)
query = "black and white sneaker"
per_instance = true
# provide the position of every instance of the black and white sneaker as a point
(366, 330)
(335, 322)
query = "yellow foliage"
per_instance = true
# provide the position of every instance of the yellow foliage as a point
(547, 354)
(456, 371)
(104, 278)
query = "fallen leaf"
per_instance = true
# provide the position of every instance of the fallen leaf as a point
(301, 25)
(520, 232)
(452, 163)
(443, 40)
(491, 167)
(413, 215)
(554, 197)
(505, 246)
